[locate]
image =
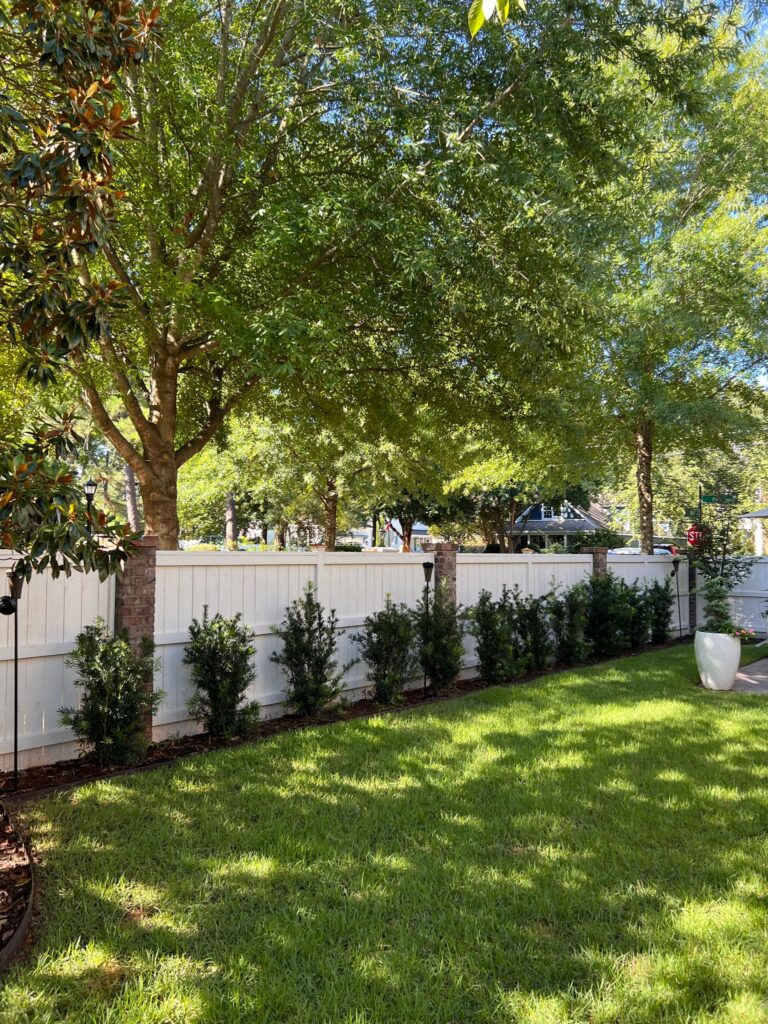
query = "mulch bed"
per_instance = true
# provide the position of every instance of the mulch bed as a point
(15, 890)
(63, 775)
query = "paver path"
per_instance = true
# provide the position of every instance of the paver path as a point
(753, 678)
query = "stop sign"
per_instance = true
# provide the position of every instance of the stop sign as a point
(696, 535)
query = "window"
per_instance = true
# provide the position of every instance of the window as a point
(547, 512)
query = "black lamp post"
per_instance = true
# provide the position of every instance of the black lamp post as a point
(9, 605)
(90, 487)
(428, 568)
(676, 574)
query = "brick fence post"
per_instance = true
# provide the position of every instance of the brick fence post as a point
(599, 560)
(135, 602)
(445, 566)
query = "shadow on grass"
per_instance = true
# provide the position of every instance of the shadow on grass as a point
(590, 847)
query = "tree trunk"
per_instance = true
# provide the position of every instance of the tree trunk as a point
(407, 527)
(331, 507)
(644, 459)
(159, 494)
(231, 522)
(131, 499)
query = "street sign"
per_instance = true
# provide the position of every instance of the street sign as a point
(719, 499)
(692, 513)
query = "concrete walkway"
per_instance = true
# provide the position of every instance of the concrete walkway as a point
(753, 678)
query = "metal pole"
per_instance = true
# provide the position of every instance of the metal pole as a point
(10, 606)
(426, 631)
(679, 613)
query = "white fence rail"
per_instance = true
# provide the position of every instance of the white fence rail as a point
(260, 586)
(749, 599)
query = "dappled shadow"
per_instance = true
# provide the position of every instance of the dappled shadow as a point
(591, 846)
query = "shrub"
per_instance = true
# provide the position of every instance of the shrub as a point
(387, 646)
(220, 653)
(717, 611)
(608, 614)
(660, 601)
(440, 629)
(116, 696)
(308, 655)
(568, 620)
(348, 546)
(532, 623)
(603, 537)
(638, 620)
(492, 624)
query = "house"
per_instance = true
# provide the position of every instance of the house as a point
(541, 525)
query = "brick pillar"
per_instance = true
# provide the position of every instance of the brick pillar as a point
(445, 566)
(692, 611)
(599, 560)
(135, 601)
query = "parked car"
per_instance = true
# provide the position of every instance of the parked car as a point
(659, 550)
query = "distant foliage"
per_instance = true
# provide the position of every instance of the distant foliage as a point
(568, 611)
(601, 538)
(440, 630)
(660, 601)
(387, 645)
(220, 653)
(308, 655)
(116, 698)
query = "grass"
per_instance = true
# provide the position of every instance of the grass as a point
(591, 847)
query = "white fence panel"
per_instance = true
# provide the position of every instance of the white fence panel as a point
(748, 600)
(534, 574)
(261, 586)
(656, 567)
(51, 614)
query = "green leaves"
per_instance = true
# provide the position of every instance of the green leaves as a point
(481, 11)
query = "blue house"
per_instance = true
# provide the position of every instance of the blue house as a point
(541, 525)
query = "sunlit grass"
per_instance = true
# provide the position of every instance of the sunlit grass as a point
(591, 847)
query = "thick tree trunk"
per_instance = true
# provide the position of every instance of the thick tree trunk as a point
(231, 522)
(159, 494)
(131, 499)
(644, 464)
(331, 507)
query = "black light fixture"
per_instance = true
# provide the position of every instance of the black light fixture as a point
(90, 487)
(676, 573)
(9, 605)
(429, 568)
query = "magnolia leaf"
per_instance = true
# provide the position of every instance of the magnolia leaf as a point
(476, 17)
(502, 10)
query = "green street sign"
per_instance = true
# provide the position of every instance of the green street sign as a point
(691, 512)
(720, 499)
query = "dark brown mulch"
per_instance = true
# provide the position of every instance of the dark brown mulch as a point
(15, 889)
(48, 779)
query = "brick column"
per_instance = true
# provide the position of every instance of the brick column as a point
(599, 560)
(445, 566)
(135, 601)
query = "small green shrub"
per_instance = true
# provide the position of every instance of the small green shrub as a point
(717, 610)
(492, 624)
(220, 652)
(609, 615)
(532, 621)
(638, 621)
(348, 546)
(387, 646)
(308, 655)
(603, 537)
(116, 694)
(660, 600)
(440, 630)
(568, 620)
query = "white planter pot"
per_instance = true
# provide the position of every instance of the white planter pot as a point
(717, 659)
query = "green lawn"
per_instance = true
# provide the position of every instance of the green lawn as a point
(590, 847)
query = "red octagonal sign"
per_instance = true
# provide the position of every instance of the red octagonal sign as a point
(696, 535)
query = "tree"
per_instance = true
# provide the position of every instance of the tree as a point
(59, 122)
(42, 519)
(681, 337)
(292, 169)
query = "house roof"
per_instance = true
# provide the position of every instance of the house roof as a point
(581, 520)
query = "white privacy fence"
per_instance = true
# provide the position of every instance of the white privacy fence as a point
(260, 586)
(748, 600)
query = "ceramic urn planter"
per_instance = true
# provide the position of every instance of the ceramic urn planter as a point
(717, 659)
